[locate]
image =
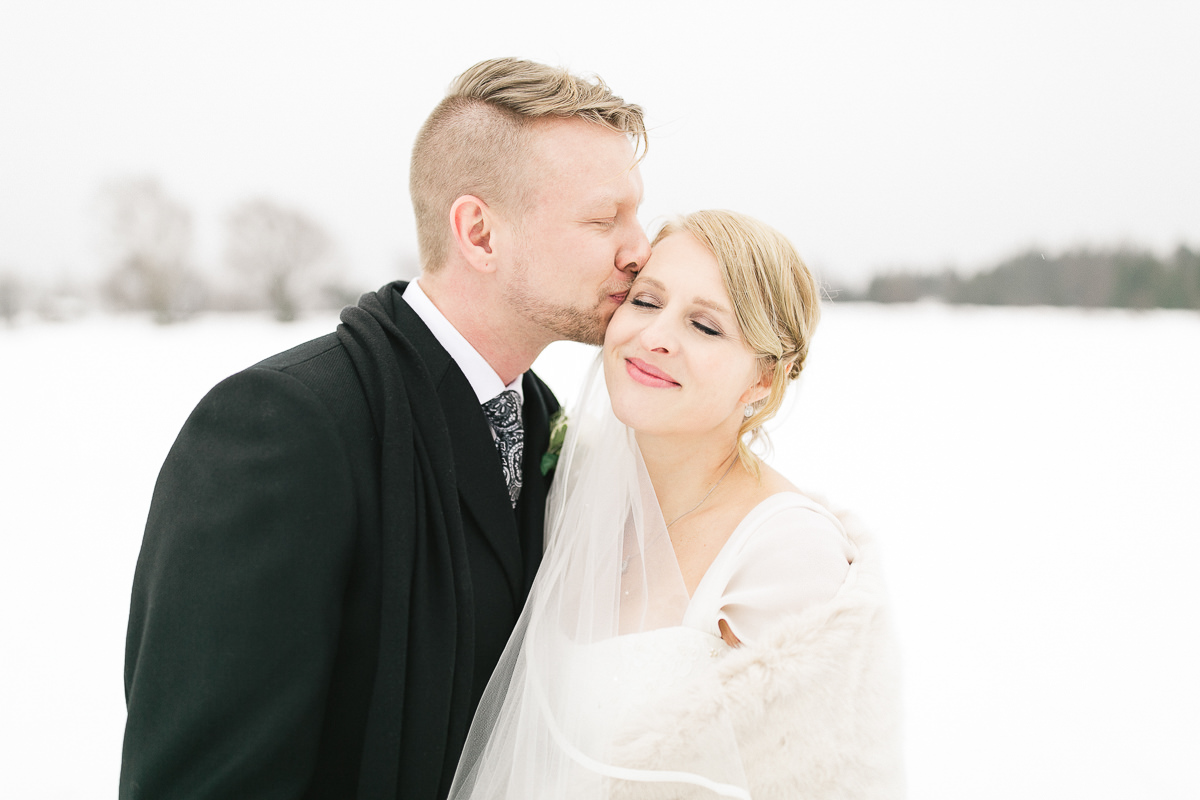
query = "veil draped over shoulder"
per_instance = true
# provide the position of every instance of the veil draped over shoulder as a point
(598, 638)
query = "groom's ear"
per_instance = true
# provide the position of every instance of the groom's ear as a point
(472, 224)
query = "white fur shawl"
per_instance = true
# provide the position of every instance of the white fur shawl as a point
(814, 705)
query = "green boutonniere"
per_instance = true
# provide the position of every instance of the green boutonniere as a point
(558, 434)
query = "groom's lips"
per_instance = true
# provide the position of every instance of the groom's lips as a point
(649, 375)
(622, 292)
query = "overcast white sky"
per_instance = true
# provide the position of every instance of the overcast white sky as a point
(875, 134)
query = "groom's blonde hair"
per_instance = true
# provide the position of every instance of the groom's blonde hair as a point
(775, 298)
(477, 141)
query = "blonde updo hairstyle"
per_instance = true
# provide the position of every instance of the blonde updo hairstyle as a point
(774, 295)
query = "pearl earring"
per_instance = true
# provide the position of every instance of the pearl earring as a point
(749, 412)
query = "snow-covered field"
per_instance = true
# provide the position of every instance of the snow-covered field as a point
(1032, 474)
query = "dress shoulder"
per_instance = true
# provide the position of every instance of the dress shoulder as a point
(788, 554)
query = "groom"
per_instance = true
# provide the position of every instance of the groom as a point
(342, 537)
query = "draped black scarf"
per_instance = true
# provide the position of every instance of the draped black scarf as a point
(420, 706)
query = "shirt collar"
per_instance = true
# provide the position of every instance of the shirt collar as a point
(480, 375)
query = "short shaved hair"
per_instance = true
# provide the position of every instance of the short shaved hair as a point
(478, 139)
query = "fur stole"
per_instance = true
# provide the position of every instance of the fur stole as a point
(814, 705)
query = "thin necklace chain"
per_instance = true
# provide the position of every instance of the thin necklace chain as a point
(710, 491)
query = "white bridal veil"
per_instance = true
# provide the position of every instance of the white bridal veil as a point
(598, 638)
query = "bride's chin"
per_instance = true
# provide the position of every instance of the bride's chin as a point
(634, 411)
(622, 411)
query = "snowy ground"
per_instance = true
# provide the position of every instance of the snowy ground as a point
(1032, 475)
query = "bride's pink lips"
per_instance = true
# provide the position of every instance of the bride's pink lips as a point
(648, 375)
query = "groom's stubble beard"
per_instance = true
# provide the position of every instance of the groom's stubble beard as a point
(572, 323)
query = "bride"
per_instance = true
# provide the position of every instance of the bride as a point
(699, 627)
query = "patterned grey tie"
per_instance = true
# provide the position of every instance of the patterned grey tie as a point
(504, 412)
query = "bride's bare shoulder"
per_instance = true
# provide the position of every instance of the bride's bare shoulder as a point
(774, 482)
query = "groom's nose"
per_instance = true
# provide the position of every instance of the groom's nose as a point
(634, 254)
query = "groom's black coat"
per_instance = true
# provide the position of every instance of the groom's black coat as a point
(288, 637)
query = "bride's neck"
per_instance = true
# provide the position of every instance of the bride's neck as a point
(683, 469)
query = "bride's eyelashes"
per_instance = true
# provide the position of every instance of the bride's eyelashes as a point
(649, 302)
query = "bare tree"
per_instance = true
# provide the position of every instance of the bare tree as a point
(279, 251)
(148, 241)
(10, 297)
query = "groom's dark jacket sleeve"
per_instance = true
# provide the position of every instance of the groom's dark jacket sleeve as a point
(254, 630)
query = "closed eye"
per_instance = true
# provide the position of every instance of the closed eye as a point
(705, 329)
(642, 303)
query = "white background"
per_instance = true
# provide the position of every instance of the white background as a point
(1031, 475)
(876, 134)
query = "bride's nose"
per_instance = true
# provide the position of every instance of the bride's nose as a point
(659, 335)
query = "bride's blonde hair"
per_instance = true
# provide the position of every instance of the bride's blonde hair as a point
(774, 295)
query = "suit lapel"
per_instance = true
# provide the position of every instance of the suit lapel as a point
(481, 485)
(531, 506)
(481, 489)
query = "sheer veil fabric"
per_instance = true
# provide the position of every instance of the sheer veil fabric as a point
(598, 636)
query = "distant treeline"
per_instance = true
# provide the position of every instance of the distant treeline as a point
(275, 257)
(1120, 278)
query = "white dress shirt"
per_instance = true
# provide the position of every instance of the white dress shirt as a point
(479, 372)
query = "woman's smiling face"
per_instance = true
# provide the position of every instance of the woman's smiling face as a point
(674, 358)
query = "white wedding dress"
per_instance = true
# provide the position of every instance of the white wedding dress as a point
(609, 629)
(788, 554)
